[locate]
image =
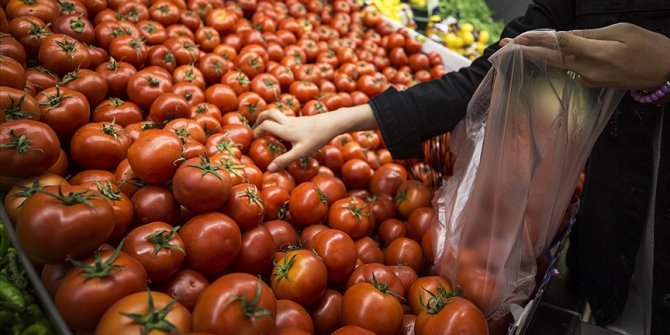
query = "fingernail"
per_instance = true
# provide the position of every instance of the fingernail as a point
(272, 167)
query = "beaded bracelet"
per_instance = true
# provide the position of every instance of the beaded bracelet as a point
(647, 98)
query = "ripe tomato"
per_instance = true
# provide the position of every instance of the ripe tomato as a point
(212, 66)
(327, 312)
(372, 306)
(420, 291)
(121, 204)
(145, 86)
(154, 203)
(450, 315)
(200, 185)
(352, 330)
(411, 195)
(222, 96)
(331, 186)
(256, 253)
(95, 284)
(250, 63)
(161, 56)
(264, 150)
(52, 276)
(303, 169)
(144, 310)
(307, 204)
(236, 301)
(90, 177)
(137, 129)
(291, 315)
(152, 32)
(64, 110)
(130, 49)
(29, 32)
(338, 252)
(387, 179)
(275, 201)
(117, 75)
(212, 242)
(301, 276)
(419, 222)
(63, 221)
(369, 251)
(158, 247)
(405, 251)
(44, 10)
(237, 80)
(99, 145)
(62, 54)
(382, 274)
(352, 216)
(27, 148)
(152, 156)
(350, 148)
(283, 234)
(304, 90)
(245, 206)
(25, 189)
(76, 26)
(250, 104)
(479, 286)
(90, 83)
(390, 230)
(186, 286)
(356, 173)
(267, 86)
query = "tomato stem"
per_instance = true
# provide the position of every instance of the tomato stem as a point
(21, 143)
(154, 320)
(77, 25)
(107, 190)
(161, 240)
(436, 302)
(207, 167)
(99, 269)
(251, 308)
(28, 191)
(384, 288)
(283, 267)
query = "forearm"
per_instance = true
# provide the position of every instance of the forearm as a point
(346, 120)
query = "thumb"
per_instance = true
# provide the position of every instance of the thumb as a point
(283, 160)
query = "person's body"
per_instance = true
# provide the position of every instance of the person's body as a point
(628, 173)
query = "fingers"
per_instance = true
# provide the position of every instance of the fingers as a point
(283, 160)
(271, 127)
(272, 114)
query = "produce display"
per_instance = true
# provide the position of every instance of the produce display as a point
(137, 188)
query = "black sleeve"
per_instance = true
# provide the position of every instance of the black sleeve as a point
(428, 109)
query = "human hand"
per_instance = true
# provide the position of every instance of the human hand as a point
(622, 55)
(309, 133)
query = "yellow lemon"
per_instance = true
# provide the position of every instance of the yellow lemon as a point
(467, 27)
(467, 37)
(484, 36)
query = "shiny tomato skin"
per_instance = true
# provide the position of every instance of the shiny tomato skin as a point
(100, 145)
(327, 312)
(418, 291)
(352, 215)
(381, 272)
(167, 107)
(292, 315)
(390, 230)
(114, 322)
(411, 195)
(148, 84)
(275, 201)
(419, 222)
(245, 205)
(303, 169)
(117, 75)
(352, 330)
(142, 242)
(369, 251)
(459, 316)
(76, 26)
(406, 251)
(366, 306)
(264, 150)
(200, 185)
(121, 112)
(219, 308)
(331, 186)
(152, 156)
(387, 179)
(49, 230)
(283, 234)
(307, 204)
(356, 173)
(82, 301)
(256, 253)
(55, 54)
(186, 285)
(24, 189)
(16, 104)
(338, 252)
(153, 203)
(301, 276)
(212, 241)
(64, 110)
(23, 159)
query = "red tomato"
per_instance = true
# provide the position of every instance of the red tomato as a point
(450, 315)
(331, 186)
(303, 169)
(356, 173)
(25, 189)
(52, 276)
(117, 75)
(153, 203)
(222, 96)
(99, 145)
(62, 54)
(200, 185)
(301, 276)
(283, 234)
(187, 129)
(405, 251)
(245, 206)
(479, 286)
(63, 221)
(372, 306)
(158, 247)
(338, 252)
(64, 110)
(307, 204)
(419, 222)
(352, 330)
(76, 26)
(161, 56)
(154, 308)
(256, 253)
(326, 313)
(92, 286)
(121, 112)
(121, 204)
(236, 301)
(186, 286)
(292, 315)
(190, 92)
(369, 251)
(189, 74)
(267, 86)
(152, 156)
(147, 85)
(275, 201)
(212, 241)
(351, 215)
(29, 31)
(90, 177)
(27, 148)
(420, 291)
(411, 195)
(130, 49)
(264, 150)
(251, 104)
(390, 230)
(387, 179)
(304, 90)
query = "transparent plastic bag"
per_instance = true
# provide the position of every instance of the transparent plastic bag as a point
(518, 153)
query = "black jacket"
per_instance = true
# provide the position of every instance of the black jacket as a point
(615, 201)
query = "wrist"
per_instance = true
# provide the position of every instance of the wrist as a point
(350, 119)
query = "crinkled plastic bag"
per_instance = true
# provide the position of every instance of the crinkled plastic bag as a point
(518, 153)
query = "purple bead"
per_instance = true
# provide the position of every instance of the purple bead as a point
(646, 100)
(665, 89)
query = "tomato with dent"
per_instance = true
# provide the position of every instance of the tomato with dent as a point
(158, 247)
(212, 242)
(186, 286)
(27, 148)
(90, 287)
(301, 276)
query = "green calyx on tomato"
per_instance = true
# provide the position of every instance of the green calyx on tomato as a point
(116, 102)
(242, 79)
(229, 165)
(99, 269)
(182, 133)
(107, 191)
(149, 125)
(436, 302)
(168, 58)
(29, 2)
(154, 320)
(53, 101)
(189, 75)
(161, 240)
(153, 82)
(384, 288)
(109, 128)
(402, 196)
(251, 308)
(207, 167)
(28, 191)
(66, 7)
(77, 25)
(136, 44)
(283, 268)
(67, 46)
(37, 31)
(70, 76)
(113, 64)
(20, 143)
(322, 197)
(150, 28)
(358, 211)
(254, 197)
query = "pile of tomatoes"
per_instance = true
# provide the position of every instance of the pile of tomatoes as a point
(136, 185)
